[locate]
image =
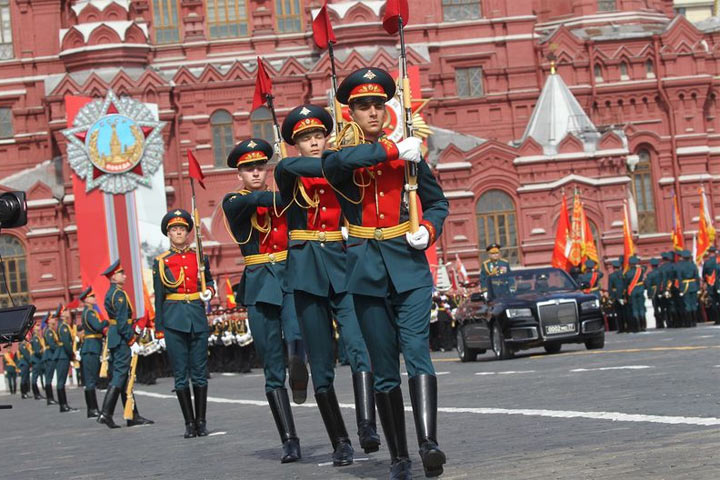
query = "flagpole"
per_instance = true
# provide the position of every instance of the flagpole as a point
(336, 108)
(198, 240)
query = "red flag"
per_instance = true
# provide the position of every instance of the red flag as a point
(74, 304)
(576, 232)
(628, 245)
(322, 29)
(229, 295)
(678, 238)
(393, 10)
(263, 86)
(562, 239)
(706, 231)
(194, 169)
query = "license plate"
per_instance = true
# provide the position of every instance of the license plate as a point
(555, 329)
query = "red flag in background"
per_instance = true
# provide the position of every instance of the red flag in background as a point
(628, 245)
(677, 235)
(562, 239)
(229, 295)
(194, 169)
(263, 86)
(393, 10)
(322, 29)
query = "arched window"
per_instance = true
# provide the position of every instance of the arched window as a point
(15, 271)
(624, 71)
(598, 73)
(222, 135)
(649, 70)
(496, 223)
(642, 189)
(262, 124)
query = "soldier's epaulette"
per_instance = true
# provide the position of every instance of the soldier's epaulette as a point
(160, 257)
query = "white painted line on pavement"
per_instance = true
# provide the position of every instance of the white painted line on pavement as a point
(327, 464)
(627, 367)
(217, 433)
(228, 374)
(436, 373)
(609, 416)
(509, 372)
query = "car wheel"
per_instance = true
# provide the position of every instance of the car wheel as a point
(595, 343)
(499, 347)
(466, 354)
(553, 348)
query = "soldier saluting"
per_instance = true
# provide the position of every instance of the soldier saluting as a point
(91, 349)
(387, 271)
(180, 320)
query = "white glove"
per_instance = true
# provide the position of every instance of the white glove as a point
(139, 331)
(161, 342)
(409, 149)
(344, 232)
(682, 294)
(227, 339)
(212, 338)
(418, 240)
(621, 301)
(77, 356)
(206, 295)
(135, 348)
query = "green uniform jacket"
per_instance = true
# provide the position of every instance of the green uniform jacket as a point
(264, 283)
(709, 268)
(324, 263)
(628, 278)
(687, 273)
(616, 285)
(118, 307)
(23, 355)
(65, 350)
(52, 345)
(37, 350)
(491, 269)
(653, 283)
(179, 315)
(92, 326)
(374, 265)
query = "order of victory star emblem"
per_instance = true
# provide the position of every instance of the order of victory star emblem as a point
(115, 144)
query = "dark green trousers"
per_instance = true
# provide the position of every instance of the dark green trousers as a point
(188, 352)
(62, 366)
(25, 374)
(266, 327)
(315, 315)
(120, 365)
(37, 370)
(397, 323)
(90, 370)
(49, 368)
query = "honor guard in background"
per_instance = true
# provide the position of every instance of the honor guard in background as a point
(316, 274)
(254, 223)
(10, 371)
(634, 291)
(180, 320)
(689, 286)
(94, 328)
(36, 361)
(24, 357)
(591, 277)
(653, 289)
(64, 353)
(50, 356)
(616, 291)
(387, 270)
(493, 266)
(709, 276)
(121, 342)
(667, 271)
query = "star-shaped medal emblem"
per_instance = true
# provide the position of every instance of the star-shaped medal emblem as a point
(369, 75)
(252, 144)
(177, 212)
(304, 112)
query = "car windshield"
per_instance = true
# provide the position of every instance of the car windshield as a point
(530, 281)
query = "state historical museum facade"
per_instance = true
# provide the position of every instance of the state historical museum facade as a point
(629, 113)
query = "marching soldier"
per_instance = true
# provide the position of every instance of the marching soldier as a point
(10, 371)
(591, 277)
(64, 352)
(91, 350)
(50, 356)
(668, 304)
(634, 292)
(317, 253)
(121, 344)
(688, 277)
(653, 288)
(254, 223)
(616, 290)
(493, 266)
(709, 276)
(36, 361)
(180, 320)
(387, 270)
(24, 357)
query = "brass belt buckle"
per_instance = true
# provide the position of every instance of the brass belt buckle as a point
(379, 234)
(187, 297)
(321, 236)
(271, 257)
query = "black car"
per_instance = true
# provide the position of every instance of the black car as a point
(537, 307)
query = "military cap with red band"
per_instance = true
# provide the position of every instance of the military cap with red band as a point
(366, 82)
(253, 150)
(303, 119)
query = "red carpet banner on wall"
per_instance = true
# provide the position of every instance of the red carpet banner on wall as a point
(115, 149)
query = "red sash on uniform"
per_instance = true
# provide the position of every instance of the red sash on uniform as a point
(593, 282)
(710, 279)
(635, 280)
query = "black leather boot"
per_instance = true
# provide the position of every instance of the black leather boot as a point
(297, 371)
(108, 407)
(91, 402)
(137, 418)
(49, 395)
(36, 392)
(392, 416)
(23, 390)
(280, 408)
(365, 411)
(423, 395)
(200, 410)
(332, 418)
(62, 398)
(183, 396)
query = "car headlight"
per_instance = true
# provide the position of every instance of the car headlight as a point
(590, 305)
(518, 312)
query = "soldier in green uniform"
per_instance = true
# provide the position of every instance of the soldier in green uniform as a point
(316, 273)
(258, 226)
(23, 363)
(50, 357)
(653, 289)
(667, 303)
(493, 266)
(91, 350)
(180, 320)
(591, 277)
(387, 270)
(64, 353)
(10, 371)
(689, 286)
(616, 292)
(709, 277)
(634, 292)
(36, 360)
(121, 342)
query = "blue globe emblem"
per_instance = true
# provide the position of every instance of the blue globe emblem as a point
(115, 143)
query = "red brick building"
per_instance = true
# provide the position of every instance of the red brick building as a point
(636, 110)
